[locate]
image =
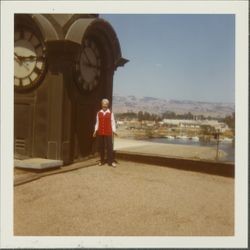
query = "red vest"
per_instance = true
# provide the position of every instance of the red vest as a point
(105, 127)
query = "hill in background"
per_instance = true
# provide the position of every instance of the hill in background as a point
(123, 104)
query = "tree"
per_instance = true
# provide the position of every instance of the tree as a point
(207, 129)
(146, 116)
(168, 115)
(230, 121)
(140, 116)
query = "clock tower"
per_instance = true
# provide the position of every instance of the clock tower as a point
(63, 66)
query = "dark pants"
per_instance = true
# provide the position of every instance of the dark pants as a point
(106, 143)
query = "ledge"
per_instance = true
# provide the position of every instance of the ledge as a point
(38, 163)
(204, 166)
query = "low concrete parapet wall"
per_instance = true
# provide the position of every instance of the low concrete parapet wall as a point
(204, 166)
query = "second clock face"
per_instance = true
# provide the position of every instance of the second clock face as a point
(29, 59)
(88, 66)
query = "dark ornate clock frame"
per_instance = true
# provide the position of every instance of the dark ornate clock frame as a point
(55, 120)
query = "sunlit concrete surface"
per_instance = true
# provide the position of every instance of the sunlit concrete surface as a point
(161, 149)
(131, 199)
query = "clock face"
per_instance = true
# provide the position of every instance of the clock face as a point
(29, 59)
(88, 66)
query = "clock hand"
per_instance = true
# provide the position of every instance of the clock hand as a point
(33, 57)
(28, 57)
(20, 60)
(17, 55)
(25, 66)
(87, 56)
(91, 65)
(17, 59)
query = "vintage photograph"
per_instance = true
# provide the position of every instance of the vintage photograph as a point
(125, 125)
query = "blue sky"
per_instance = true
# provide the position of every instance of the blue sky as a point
(176, 56)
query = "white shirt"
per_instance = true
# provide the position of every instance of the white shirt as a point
(112, 120)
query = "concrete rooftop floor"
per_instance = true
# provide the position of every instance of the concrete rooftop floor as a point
(132, 199)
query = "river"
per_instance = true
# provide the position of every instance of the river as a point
(228, 147)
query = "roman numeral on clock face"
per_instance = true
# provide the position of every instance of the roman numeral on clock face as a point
(26, 81)
(38, 46)
(17, 82)
(37, 70)
(29, 58)
(21, 82)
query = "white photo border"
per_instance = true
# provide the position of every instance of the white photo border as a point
(238, 8)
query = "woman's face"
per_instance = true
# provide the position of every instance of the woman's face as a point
(105, 105)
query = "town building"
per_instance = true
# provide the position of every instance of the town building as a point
(196, 124)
